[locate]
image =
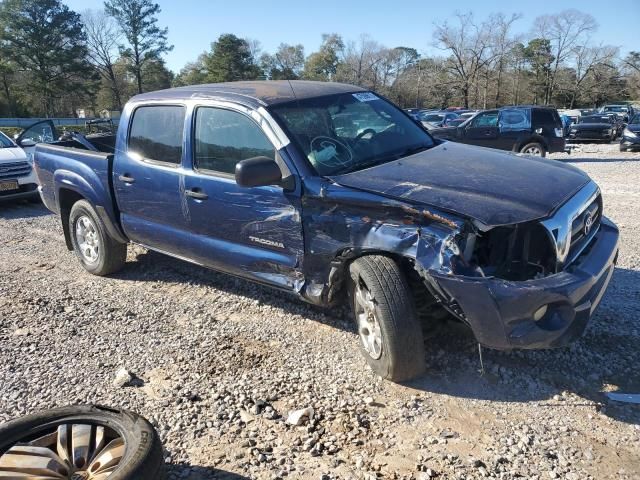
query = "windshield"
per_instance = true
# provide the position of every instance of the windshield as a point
(5, 142)
(616, 109)
(351, 131)
(432, 117)
(603, 119)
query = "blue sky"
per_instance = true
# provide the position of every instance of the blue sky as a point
(194, 24)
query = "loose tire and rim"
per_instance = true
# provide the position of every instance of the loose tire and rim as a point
(98, 253)
(534, 149)
(80, 443)
(389, 331)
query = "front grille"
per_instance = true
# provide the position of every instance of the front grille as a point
(14, 170)
(592, 134)
(585, 225)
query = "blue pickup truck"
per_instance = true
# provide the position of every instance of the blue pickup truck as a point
(331, 192)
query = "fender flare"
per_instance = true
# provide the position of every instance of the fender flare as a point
(67, 180)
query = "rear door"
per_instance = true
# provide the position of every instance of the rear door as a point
(148, 178)
(514, 125)
(252, 232)
(482, 130)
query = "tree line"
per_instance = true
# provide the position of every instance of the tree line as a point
(54, 60)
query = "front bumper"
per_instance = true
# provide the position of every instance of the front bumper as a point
(500, 312)
(28, 188)
(556, 145)
(630, 142)
(589, 136)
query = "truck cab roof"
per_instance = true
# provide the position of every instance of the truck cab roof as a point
(261, 93)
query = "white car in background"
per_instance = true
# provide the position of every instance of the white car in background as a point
(17, 177)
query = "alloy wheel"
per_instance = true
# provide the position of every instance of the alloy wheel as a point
(535, 151)
(69, 452)
(368, 323)
(87, 239)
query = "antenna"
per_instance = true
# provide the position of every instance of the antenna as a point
(292, 90)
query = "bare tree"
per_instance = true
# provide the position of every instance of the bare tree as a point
(585, 59)
(504, 43)
(470, 46)
(103, 38)
(565, 31)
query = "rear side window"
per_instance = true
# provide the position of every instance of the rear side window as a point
(156, 133)
(224, 137)
(514, 120)
(545, 116)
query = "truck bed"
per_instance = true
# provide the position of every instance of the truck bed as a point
(69, 163)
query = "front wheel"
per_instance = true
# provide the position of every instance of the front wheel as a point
(98, 253)
(388, 328)
(534, 149)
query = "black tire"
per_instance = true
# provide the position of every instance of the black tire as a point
(142, 460)
(402, 350)
(111, 255)
(534, 145)
(622, 149)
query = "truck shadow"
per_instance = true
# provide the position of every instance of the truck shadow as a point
(605, 359)
(22, 209)
(190, 472)
(150, 265)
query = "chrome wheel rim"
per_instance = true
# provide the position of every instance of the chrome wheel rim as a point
(87, 239)
(70, 452)
(368, 324)
(536, 151)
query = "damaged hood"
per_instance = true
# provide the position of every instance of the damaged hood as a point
(493, 187)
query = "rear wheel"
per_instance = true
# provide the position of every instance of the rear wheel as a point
(534, 149)
(389, 331)
(98, 253)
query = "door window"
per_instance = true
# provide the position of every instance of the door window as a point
(224, 137)
(486, 119)
(156, 133)
(41, 132)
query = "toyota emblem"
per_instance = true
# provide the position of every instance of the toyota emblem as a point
(588, 224)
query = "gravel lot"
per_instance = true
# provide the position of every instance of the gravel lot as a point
(219, 363)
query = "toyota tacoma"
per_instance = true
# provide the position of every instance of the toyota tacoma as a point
(332, 193)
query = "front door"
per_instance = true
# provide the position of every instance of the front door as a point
(40, 132)
(483, 130)
(148, 178)
(252, 232)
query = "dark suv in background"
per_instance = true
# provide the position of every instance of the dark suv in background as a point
(532, 130)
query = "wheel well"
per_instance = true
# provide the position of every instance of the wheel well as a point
(66, 199)
(534, 139)
(430, 312)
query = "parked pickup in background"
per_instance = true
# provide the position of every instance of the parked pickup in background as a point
(332, 193)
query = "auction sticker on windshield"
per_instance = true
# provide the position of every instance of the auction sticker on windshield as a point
(365, 96)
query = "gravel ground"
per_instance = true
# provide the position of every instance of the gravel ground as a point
(219, 363)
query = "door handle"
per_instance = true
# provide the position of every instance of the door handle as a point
(126, 178)
(198, 195)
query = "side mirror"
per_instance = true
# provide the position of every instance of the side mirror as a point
(27, 142)
(258, 172)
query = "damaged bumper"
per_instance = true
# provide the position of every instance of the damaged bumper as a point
(507, 315)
